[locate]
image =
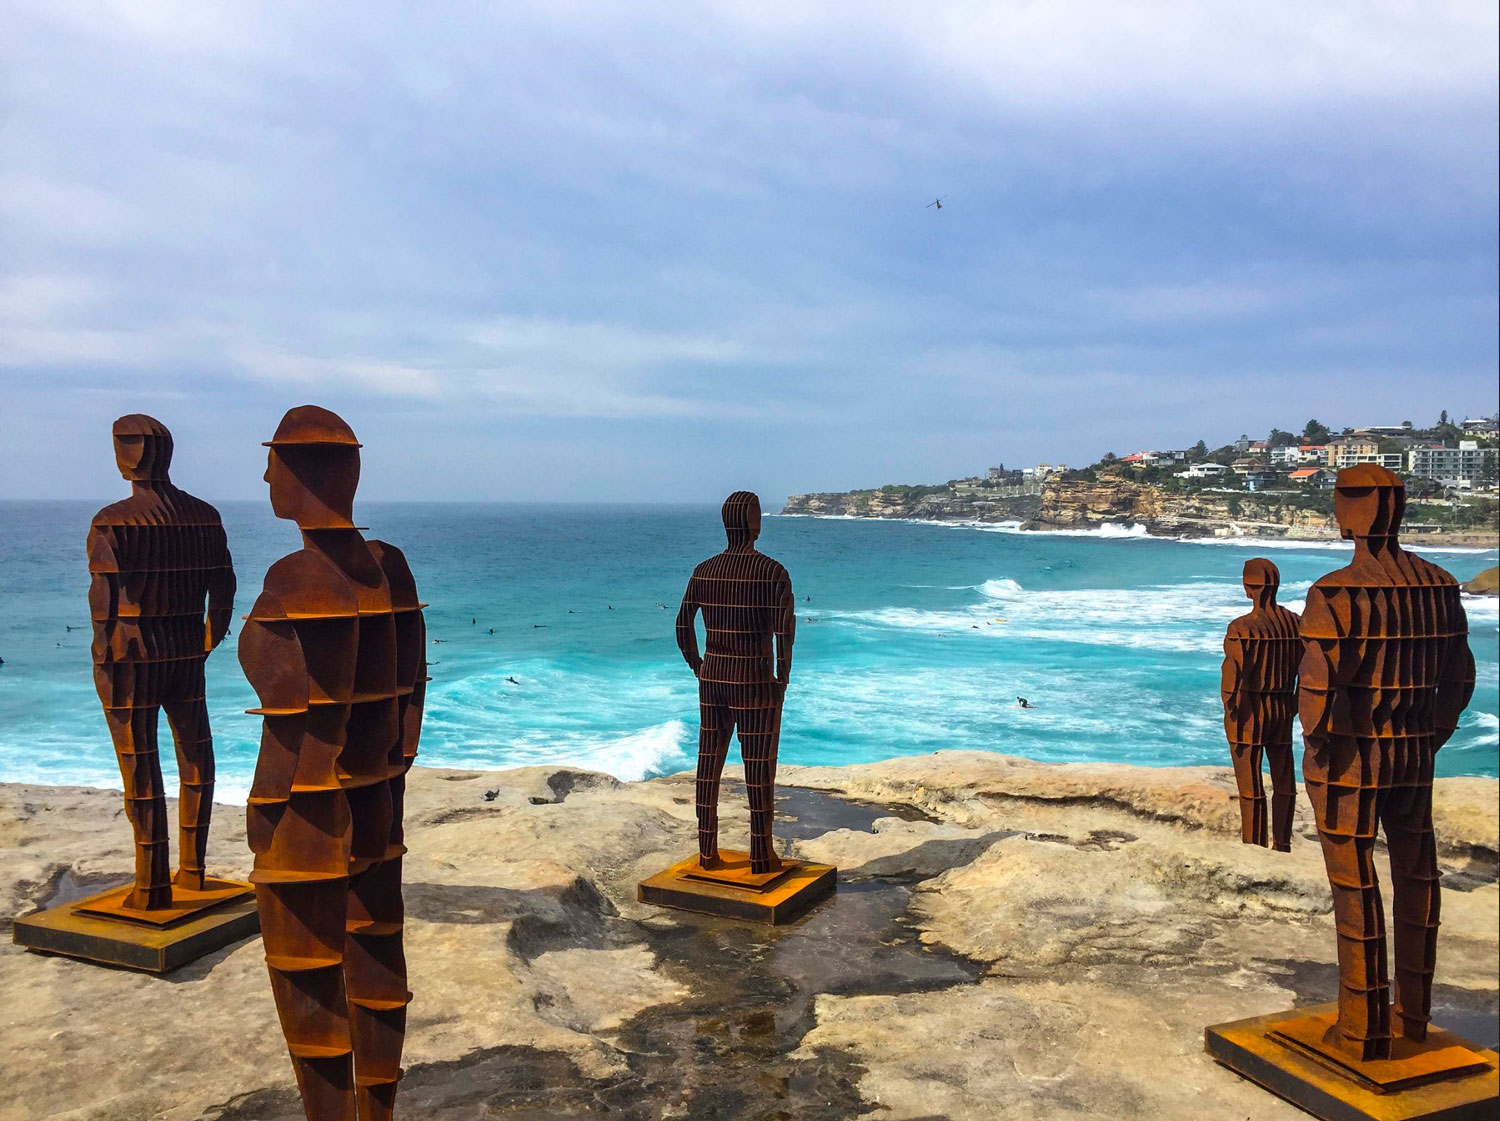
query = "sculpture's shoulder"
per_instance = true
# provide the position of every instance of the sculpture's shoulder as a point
(1429, 574)
(1337, 580)
(307, 583)
(127, 511)
(1285, 620)
(1241, 627)
(397, 571)
(189, 509)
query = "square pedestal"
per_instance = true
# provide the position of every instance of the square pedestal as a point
(735, 892)
(102, 928)
(1445, 1078)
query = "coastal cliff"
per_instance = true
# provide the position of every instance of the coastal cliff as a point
(1088, 504)
(1009, 939)
(939, 504)
(1081, 503)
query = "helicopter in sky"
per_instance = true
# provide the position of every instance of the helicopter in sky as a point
(937, 202)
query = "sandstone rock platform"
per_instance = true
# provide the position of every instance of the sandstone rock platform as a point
(1009, 940)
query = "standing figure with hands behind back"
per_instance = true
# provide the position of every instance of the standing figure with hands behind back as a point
(750, 619)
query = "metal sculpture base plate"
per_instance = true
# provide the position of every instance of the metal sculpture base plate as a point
(733, 891)
(1446, 1078)
(100, 928)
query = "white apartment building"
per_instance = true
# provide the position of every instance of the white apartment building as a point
(1462, 466)
(1205, 471)
(1286, 453)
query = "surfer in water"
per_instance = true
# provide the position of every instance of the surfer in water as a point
(1022, 702)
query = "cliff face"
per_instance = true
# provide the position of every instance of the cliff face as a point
(946, 506)
(1080, 504)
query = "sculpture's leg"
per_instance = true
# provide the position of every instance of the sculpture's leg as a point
(1415, 896)
(1346, 816)
(375, 979)
(1252, 787)
(195, 768)
(1283, 795)
(133, 731)
(714, 729)
(302, 928)
(759, 729)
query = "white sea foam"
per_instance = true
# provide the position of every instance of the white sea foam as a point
(1488, 726)
(660, 749)
(1179, 617)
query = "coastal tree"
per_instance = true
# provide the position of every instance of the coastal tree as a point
(1280, 438)
(1315, 432)
(1199, 451)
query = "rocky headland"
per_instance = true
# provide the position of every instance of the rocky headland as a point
(1009, 940)
(1075, 503)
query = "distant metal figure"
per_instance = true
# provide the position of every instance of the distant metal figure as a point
(750, 617)
(1386, 672)
(161, 591)
(1258, 685)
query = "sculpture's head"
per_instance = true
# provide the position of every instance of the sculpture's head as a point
(1369, 501)
(741, 518)
(143, 448)
(313, 469)
(1262, 581)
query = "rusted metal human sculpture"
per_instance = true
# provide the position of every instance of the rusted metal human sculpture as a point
(161, 591)
(1385, 674)
(750, 620)
(334, 647)
(1259, 690)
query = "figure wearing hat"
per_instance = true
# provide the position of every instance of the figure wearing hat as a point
(750, 617)
(334, 648)
(161, 591)
(1259, 690)
(1386, 672)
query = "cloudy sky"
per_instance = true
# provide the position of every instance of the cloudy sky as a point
(659, 251)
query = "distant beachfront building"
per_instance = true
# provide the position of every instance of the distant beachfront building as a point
(1204, 471)
(1286, 453)
(1351, 450)
(1481, 426)
(1463, 466)
(1313, 478)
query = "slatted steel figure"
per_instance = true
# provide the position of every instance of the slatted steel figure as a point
(749, 616)
(335, 649)
(1259, 690)
(1385, 674)
(161, 591)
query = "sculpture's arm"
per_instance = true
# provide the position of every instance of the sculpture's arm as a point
(1456, 681)
(1232, 679)
(104, 569)
(786, 628)
(275, 664)
(221, 587)
(1321, 680)
(687, 635)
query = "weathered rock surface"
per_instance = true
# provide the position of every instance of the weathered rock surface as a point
(1009, 940)
(1486, 583)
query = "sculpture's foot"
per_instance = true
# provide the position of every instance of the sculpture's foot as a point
(1360, 1050)
(1282, 846)
(189, 879)
(760, 865)
(1413, 1028)
(710, 863)
(150, 899)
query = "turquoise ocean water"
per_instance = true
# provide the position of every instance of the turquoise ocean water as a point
(912, 637)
